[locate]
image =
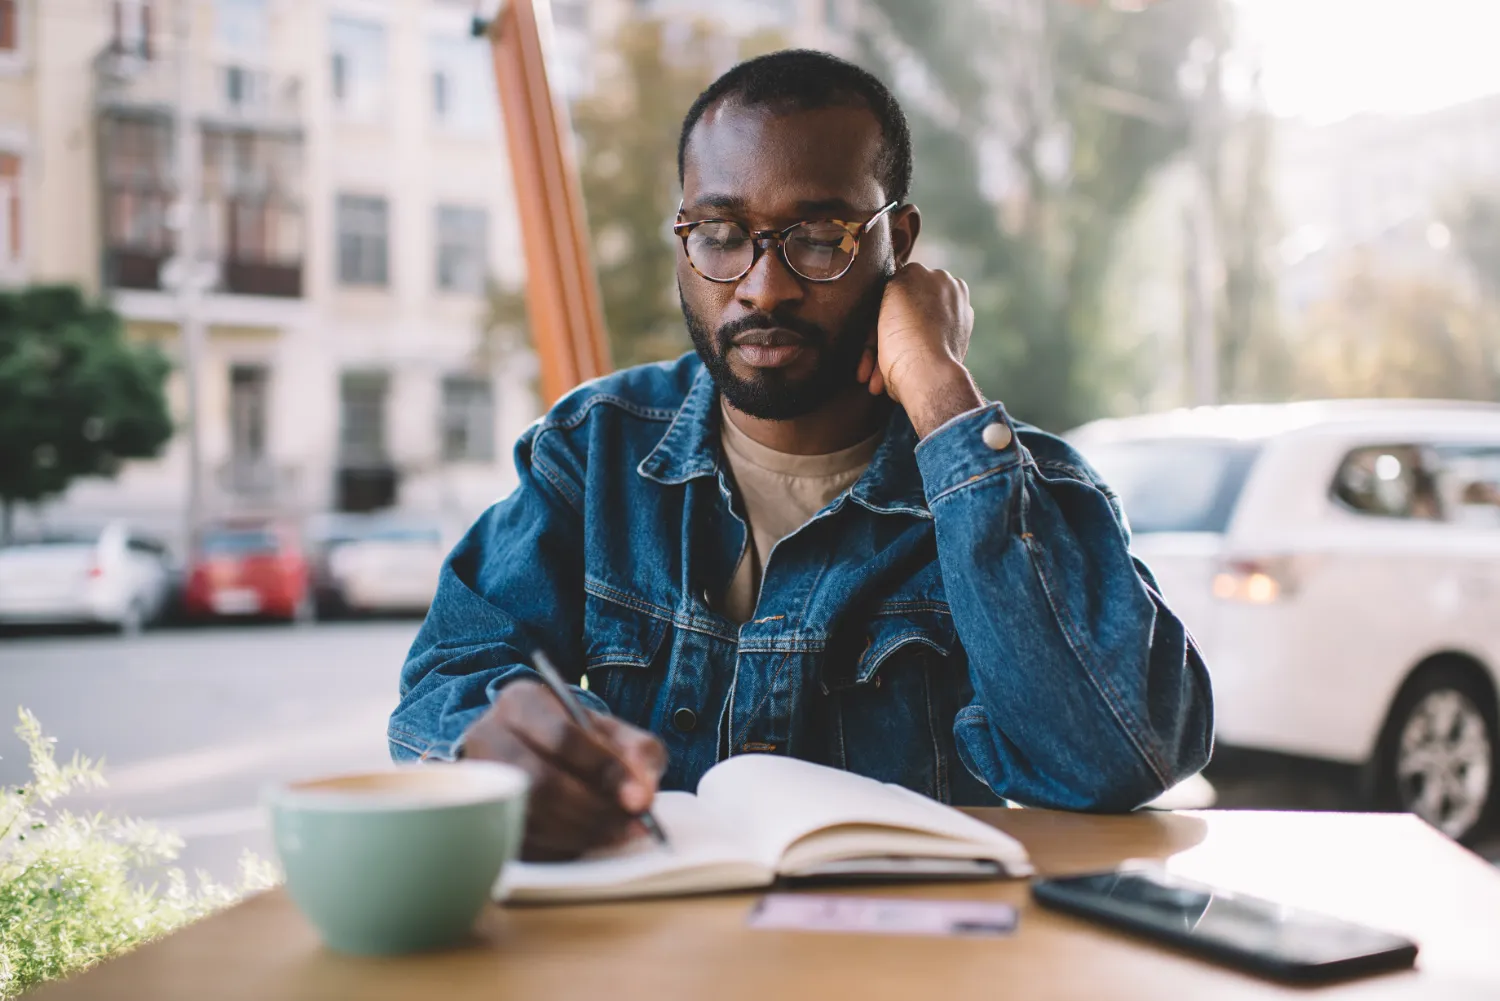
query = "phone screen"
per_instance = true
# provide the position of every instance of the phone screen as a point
(1150, 900)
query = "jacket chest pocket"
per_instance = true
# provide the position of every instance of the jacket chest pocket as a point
(623, 657)
(893, 703)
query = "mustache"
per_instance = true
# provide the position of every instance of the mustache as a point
(811, 333)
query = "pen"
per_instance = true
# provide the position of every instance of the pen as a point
(580, 716)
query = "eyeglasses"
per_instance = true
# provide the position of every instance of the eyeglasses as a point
(824, 250)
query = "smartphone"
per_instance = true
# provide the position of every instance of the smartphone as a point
(1256, 935)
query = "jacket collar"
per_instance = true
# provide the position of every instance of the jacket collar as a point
(690, 449)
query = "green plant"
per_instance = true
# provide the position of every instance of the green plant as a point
(71, 887)
(77, 398)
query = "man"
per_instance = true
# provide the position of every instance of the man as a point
(814, 538)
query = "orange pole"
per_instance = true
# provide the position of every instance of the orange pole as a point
(562, 289)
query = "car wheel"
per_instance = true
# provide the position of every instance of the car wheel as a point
(1440, 752)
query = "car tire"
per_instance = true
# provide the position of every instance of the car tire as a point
(1439, 753)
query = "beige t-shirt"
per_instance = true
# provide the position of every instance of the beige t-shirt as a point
(781, 492)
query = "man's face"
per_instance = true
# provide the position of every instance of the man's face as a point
(780, 346)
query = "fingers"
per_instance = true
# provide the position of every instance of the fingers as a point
(587, 787)
(645, 759)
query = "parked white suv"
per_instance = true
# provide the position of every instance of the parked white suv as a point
(112, 575)
(1339, 564)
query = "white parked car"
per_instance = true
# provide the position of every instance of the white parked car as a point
(1339, 564)
(388, 566)
(114, 575)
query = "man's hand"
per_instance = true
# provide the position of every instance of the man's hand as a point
(586, 788)
(921, 340)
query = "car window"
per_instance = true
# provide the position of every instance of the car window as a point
(1389, 481)
(1424, 482)
(149, 547)
(239, 542)
(1175, 484)
(1469, 483)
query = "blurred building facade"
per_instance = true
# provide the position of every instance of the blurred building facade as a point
(356, 200)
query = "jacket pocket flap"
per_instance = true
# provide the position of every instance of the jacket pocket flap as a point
(620, 635)
(887, 633)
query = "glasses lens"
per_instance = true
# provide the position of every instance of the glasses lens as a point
(720, 249)
(819, 250)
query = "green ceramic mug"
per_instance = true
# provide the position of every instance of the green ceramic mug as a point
(400, 860)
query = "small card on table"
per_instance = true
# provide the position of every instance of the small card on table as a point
(882, 915)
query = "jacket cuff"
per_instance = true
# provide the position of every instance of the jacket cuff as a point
(968, 448)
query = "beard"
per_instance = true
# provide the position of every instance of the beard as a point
(773, 394)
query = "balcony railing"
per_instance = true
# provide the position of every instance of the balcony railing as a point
(258, 482)
(225, 94)
(256, 242)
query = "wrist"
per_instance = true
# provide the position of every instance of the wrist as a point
(939, 394)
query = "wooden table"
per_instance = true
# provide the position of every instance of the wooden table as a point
(1385, 870)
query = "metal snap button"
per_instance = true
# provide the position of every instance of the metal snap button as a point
(998, 436)
(685, 719)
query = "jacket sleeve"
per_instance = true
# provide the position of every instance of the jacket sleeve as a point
(1089, 694)
(513, 584)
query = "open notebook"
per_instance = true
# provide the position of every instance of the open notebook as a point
(757, 817)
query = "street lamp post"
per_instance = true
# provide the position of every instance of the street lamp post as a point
(186, 274)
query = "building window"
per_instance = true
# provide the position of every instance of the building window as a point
(463, 86)
(132, 27)
(462, 249)
(362, 397)
(242, 26)
(249, 387)
(363, 240)
(357, 61)
(10, 212)
(468, 419)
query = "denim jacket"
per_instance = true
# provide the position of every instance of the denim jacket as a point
(966, 620)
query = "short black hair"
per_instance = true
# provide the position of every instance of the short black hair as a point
(804, 79)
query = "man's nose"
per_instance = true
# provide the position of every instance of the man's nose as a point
(769, 284)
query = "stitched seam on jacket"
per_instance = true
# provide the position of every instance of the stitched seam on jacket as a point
(902, 607)
(1106, 690)
(587, 406)
(558, 481)
(694, 623)
(411, 742)
(975, 480)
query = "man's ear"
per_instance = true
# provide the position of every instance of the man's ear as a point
(906, 223)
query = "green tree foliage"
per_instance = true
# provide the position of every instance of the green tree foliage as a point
(75, 397)
(1380, 335)
(69, 888)
(1036, 129)
(627, 131)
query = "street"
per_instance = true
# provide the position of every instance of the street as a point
(193, 724)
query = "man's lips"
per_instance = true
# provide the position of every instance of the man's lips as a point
(771, 337)
(770, 348)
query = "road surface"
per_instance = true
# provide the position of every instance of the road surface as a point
(194, 723)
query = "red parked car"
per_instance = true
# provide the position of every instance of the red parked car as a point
(248, 568)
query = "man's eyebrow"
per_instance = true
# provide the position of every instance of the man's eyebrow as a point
(823, 205)
(716, 202)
